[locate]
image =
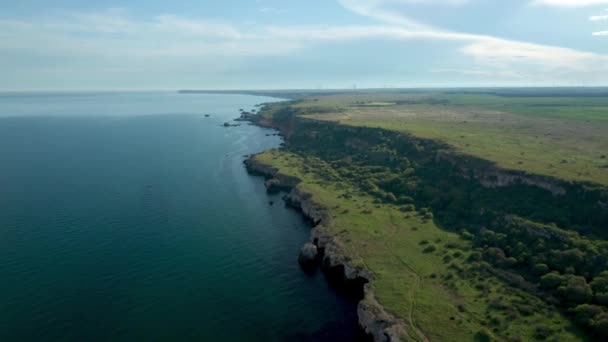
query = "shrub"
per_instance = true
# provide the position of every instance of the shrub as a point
(542, 332)
(408, 208)
(405, 200)
(551, 280)
(466, 235)
(600, 325)
(602, 298)
(483, 335)
(475, 256)
(429, 249)
(586, 313)
(575, 290)
(541, 269)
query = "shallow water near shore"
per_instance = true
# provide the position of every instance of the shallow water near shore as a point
(129, 216)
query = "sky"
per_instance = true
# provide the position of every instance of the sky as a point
(313, 44)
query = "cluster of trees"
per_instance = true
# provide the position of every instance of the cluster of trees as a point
(567, 269)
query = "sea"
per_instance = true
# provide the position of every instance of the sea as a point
(128, 216)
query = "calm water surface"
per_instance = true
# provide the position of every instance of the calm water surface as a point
(129, 216)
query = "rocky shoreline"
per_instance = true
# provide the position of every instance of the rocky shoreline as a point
(324, 251)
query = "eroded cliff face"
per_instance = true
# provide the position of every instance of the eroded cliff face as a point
(374, 320)
(377, 323)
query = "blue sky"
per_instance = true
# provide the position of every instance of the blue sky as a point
(154, 44)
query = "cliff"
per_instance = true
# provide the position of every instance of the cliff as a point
(373, 318)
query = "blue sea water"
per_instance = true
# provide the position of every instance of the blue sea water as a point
(129, 216)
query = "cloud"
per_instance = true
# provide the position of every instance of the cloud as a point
(569, 3)
(598, 17)
(482, 73)
(112, 40)
(372, 8)
(501, 55)
(600, 33)
(114, 34)
(271, 10)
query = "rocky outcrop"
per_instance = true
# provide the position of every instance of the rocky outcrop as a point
(275, 181)
(302, 201)
(496, 178)
(491, 176)
(379, 324)
(308, 255)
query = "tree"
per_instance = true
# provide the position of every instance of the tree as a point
(575, 290)
(600, 325)
(551, 280)
(541, 269)
(600, 282)
(585, 313)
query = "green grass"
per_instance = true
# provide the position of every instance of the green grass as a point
(409, 282)
(561, 137)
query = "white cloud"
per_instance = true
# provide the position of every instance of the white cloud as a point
(482, 73)
(112, 33)
(569, 3)
(271, 10)
(598, 17)
(372, 8)
(600, 33)
(492, 52)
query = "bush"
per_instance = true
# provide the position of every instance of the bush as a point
(405, 200)
(429, 249)
(600, 325)
(551, 280)
(575, 290)
(466, 235)
(600, 283)
(542, 332)
(483, 335)
(408, 208)
(585, 313)
(475, 256)
(541, 269)
(602, 298)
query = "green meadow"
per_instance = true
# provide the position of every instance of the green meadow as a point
(561, 137)
(428, 276)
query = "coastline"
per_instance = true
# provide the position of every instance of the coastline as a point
(373, 319)
(417, 274)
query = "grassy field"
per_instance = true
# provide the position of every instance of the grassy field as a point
(423, 274)
(562, 137)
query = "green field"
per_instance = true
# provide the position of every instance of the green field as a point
(439, 292)
(562, 137)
